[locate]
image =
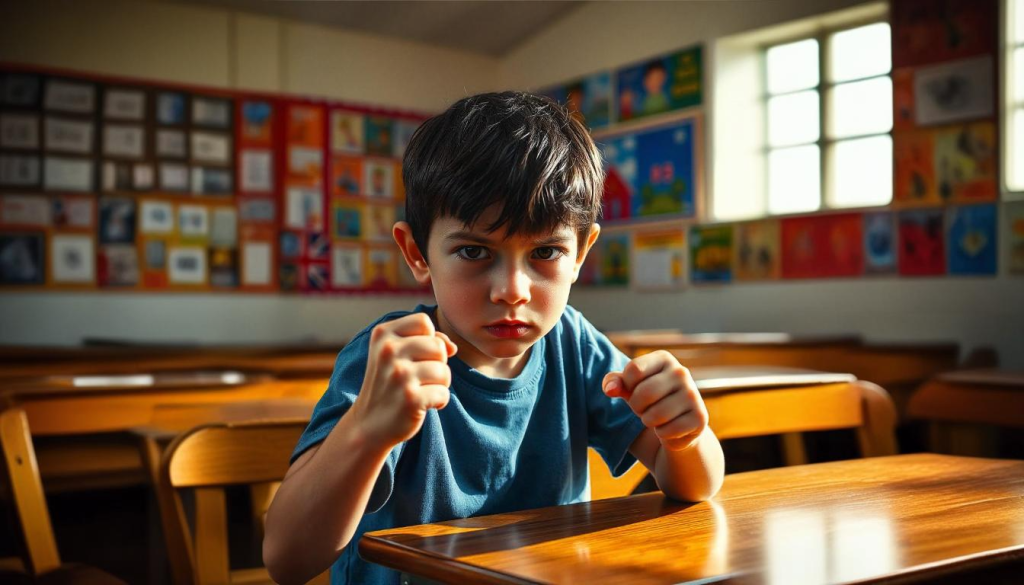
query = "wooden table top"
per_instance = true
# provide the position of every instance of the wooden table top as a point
(909, 517)
(985, 377)
(727, 378)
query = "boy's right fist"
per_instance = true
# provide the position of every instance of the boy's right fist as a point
(407, 374)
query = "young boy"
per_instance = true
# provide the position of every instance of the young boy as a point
(486, 402)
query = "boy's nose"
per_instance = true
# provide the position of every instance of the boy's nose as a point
(511, 286)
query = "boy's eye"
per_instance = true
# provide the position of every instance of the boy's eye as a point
(471, 252)
(547, 253)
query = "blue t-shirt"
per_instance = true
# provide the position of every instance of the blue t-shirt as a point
(501, 445)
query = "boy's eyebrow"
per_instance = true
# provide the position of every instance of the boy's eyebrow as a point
(472, 237)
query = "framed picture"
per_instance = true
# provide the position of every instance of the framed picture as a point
(74, 211)
(157, 217)
(953, 92)
(346, 176)
(21, 259)
(378, 220)
(211, 148)
(142, 177)
(257, 118)
(193, 221)
(659, 260)
(304, 209)
(404, 130)
(19, 131)
(124, 141)
(757, 251)
(124, 104)
(346, 219)
(257, 171)
(173, 177)
(346, 266)
(711, 253)
(211, 112)
(379, 179)
(257, 259)
(67, 174)
(291, 245)
(25, 210)
(305, 126)
(69, 96)
(379, 136)
(117, 220)
(209, 181)
(224, 227)
(257, 209)
(660, 85)
(119, 266)
(305, 165)
(186, 265)
(70, 136)
(347, 132)
(20, 171)
(19, 89)
(171, 144)
(72, 259)
(171, 108)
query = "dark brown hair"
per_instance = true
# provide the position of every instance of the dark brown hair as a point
(522, 152)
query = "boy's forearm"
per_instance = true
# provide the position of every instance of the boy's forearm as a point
(694, 474)
(318, 507)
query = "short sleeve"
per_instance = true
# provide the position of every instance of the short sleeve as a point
(611, 424)
(342, 390)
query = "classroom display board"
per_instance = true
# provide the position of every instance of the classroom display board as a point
(120, 184)
(944, 218)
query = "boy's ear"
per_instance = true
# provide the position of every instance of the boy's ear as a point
(411, 252)
(581, 255)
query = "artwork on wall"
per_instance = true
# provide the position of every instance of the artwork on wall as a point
(879, 243)
(823, 246)
(757, 251)
(589, 99)
(711, 253)
(972, 239)
(660, 85)
(922, 250)
(614, 255)
(659, 260)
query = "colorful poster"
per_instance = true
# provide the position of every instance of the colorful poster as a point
(72, 259)
(972, 239)
(346, 176)
(879, 243)
(22, 258)
(306, 126)
(965, 162)
(757, 251)
(317, 278)
(256, 126)
(377, 222)
(711, 253)
(379, 132)
(620, 176)
(346, 266)
(903, 99)
(954, 92)
(347, 134)
(659, 260)
(914, 161)
(1015, 237)
(223, 268)
(117, 221)
(614, 255)
(823, 246)
(381, 269)
(588, 99)
(922, 247)
(590, 272)
(660, 85)
(404, 129)
(666, 171)
(346, 219)
(930, 31)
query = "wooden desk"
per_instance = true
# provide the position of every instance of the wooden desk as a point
(904, 518)
(965, 408)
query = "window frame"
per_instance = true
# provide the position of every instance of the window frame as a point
(824, 142)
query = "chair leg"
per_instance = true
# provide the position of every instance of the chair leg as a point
(793, 450)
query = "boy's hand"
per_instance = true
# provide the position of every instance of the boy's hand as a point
(661, 392)
(407, 374)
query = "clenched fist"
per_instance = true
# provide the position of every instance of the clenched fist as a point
(661, 392)
(407, 374)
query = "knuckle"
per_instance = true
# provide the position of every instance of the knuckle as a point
(388, 349)
(410, 395)
(399, 373)
(702, 418)
(378, 332)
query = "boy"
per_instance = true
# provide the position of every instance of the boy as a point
(503, 191)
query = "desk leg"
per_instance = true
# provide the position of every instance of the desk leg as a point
(793, 450)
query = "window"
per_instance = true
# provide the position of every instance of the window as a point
(828, 108)
(1014, 96)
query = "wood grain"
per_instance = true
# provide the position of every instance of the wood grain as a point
(900, 518)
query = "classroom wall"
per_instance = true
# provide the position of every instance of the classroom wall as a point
(606, 35)
(198, 45)
(255, 52)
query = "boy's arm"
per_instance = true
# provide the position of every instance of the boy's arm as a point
(325, 492)
(677, 447)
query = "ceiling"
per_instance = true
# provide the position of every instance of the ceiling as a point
(491, 27)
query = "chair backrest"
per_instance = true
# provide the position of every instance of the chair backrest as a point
(208, 459)
(22, 482)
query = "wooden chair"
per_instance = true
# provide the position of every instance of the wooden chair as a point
(207, 460)
(39, 561)
(758, 401)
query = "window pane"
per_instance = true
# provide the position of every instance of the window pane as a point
(1015, 176)
(862, 172)
(860, 52)
(861, 107)
(794, 179)
(1017, 83)
(1018, 19)
(793, 119)
(793, 67)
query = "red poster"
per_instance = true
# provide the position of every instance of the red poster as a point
(922, 247)
(932, 31)
(823, 246)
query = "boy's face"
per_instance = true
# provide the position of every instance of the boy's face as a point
(484, 282)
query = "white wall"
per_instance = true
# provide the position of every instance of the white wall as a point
(214, 47)
(197, 45)
(606, 35)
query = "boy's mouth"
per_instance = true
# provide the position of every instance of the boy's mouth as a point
(508, 329)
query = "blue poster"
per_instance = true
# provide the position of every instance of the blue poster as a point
(589, 98)
(972, 239)
(665, 171)
(620, 176)
(879, 243)
(660, 85)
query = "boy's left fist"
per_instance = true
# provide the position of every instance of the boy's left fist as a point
(661, 392)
